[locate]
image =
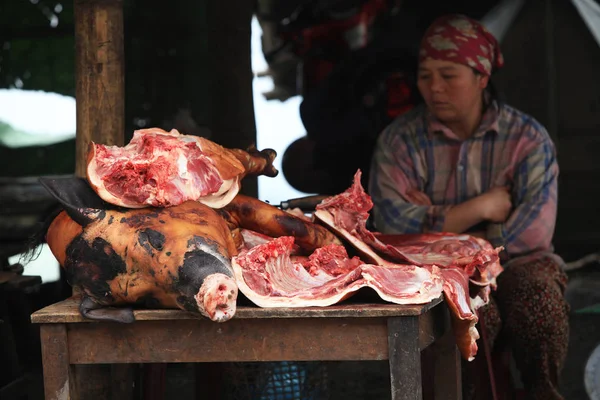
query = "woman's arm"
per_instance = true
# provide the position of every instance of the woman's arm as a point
(530, 226)
(463, 216)
(399, 204)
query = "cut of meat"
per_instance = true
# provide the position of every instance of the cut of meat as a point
(332, 259)
(348, 212)
(268, 276)
(252, 239)
(456, 289)
(475, 256)
(159, 168)
(162, 169)
(493, 268)
(366, 252)
(460, 257)
(404, 284)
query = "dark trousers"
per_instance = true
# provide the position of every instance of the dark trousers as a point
(529, 311)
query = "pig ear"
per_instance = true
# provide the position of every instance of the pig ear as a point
(92, 310)
(77, 197)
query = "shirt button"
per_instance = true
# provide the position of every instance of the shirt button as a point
(460, 167)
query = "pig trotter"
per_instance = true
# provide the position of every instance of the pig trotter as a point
(217, 297)
(92, 310)
(269, 156)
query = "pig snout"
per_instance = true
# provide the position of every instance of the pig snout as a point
(217, 297)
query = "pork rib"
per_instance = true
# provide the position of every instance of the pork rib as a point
(162, 169)
(475, 256)
(269, 277)
(460, 257)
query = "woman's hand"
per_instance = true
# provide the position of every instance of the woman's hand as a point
(496, 204)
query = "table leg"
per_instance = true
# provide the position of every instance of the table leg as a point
(447, 370)
(58, 384)
(405, 358)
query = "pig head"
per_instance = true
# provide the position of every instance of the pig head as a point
(177, 257)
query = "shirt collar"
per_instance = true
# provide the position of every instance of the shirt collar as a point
(489, 121)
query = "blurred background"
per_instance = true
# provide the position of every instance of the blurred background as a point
(316, 80)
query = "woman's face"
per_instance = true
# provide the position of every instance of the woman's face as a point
(451, 91)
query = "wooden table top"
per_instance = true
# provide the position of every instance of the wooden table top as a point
(67, 311)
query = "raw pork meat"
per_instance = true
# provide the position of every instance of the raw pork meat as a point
(161, 169)
(475, 256)
(460, 257)
(269, 277)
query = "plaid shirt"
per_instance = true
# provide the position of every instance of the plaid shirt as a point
(510, 148)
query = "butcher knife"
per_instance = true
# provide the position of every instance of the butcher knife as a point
(307, 203)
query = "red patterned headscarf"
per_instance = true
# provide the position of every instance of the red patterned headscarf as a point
(462, 40)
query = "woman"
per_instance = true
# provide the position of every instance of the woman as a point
(465, 162)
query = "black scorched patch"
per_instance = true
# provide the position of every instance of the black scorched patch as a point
(148, 301)
(246, 210)
(139, 219)
(197, 241)
(93, 266)
(151, 240)
(294, 226)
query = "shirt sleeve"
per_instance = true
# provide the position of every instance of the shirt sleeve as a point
(530, 226)
(394, 172)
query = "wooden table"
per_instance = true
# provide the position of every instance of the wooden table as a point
(339, 332)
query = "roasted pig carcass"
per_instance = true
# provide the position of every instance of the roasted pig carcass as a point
(175, 257)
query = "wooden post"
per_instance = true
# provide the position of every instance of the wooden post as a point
(230, 90)
(100, 75)
(100, 96)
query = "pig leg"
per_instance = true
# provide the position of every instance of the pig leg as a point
(256, 215)
(92, 310)
(217, 297)
(257, 162)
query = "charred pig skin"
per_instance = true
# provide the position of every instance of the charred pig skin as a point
(177, 257)
(256, 215)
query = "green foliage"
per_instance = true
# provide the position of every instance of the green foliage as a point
(165, 58)
(37, 45)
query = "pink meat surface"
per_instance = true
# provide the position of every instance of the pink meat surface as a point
(461, 258)
(162, 169)
(269, 277)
